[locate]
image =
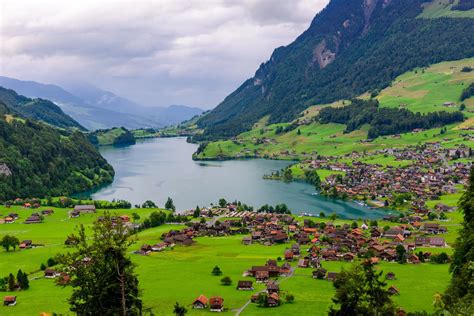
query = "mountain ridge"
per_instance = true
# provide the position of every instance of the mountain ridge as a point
(339, 57)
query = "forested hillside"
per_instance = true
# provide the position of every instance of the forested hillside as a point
(38, 109)
(114, 136)
(37, 160)
(350, 48)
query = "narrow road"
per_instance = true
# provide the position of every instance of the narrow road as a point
(240, 310)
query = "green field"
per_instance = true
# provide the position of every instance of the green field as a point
(420, 90)
(183, 273)
(442, 8)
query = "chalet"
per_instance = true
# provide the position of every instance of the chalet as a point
(332, 276)
(9, 220)
(216, 304)
(430, 242)
(390, 276)
(319, 273)
(273, 300)
(247, 240)
(273, 288)
(85, 208)
(159, 247)
(295, 248)
(35, 218)
(50, 274)
(393, 290)
(280, 237)
(349, 257)
(285, 269)
(245, 286)
(47, 212)
(393, 232)
(200, 302)
(289, 255)
(74, 214)
(26, 244)
(412, 258)
(9, 300)
(261, 276)
(303, 263)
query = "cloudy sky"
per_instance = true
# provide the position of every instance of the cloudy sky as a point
(155, 52)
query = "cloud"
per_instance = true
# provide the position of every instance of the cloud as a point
(153, 52)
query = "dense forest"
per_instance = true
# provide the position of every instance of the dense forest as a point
(384, 121)
(367, 53)
(37, 160)
(468, 92)
(38, 109)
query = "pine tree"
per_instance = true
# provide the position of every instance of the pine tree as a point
(11, 282)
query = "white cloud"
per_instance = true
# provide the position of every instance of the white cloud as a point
(154, 52)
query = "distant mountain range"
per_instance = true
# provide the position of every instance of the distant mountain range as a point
(350, 48)
(95, 108)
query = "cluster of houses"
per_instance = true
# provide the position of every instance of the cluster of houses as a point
(182, 237)
(430, 174)
(34, 218)
(215, 303)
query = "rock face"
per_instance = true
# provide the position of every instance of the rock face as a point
(323, 55)
(4, 170)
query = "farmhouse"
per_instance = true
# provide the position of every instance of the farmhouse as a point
(26, 244)
(273, 300)
(9, 300)
(50, 274)
(216, 304)
(393, 290)
(74, 214)
(245, 285)
(319, 273)
(85, 208)
(200, 302)
(35, 218)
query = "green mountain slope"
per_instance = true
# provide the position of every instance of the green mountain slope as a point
(38, 160)
(38, 109)
(425, 90)
(350, 48)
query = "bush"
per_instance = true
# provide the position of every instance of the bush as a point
(226, 280)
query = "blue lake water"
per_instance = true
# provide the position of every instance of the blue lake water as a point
(154, 169)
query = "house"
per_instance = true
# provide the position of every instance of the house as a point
(273, 288)
(245, 285)
(303, 263)
(216, 304)
(247, 240)
(35, 218)
(332, 276)
(390, 276)
(201, 302)
(9, 220)
(9, 300)
(47, 212)
(261, 276)
(159, 247)
(26, 244)
(85, 208)
(393, 290)
(74, 214)
(349, 257)
(273, 300)
(50, 274)
(289, 255)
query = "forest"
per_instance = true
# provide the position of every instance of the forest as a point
(43, 160)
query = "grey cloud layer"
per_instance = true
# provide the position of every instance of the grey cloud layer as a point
(154, 52)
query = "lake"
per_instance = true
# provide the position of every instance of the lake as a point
(154, 169)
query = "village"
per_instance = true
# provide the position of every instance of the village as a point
(431, 171)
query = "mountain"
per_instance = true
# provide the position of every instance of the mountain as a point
(158, 116)
(350, 48)
(37, 160)
(95, 108)
(38, 109)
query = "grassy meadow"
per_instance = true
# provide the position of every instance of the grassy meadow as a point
(183, 273)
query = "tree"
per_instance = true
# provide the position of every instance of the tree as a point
(460, 293)
(322, 214)
(102, 275)
(361, 291)
(149, 204)
(216, 271)
(197, 212)
(226, 280)
(135, 216)
(169, 205)
(289, 298)
(9, 241)
(179, 310)
(373, 223)
(222, 202)
(401, 254)
(22, 279)
(11, 282)
(354, 225)
(333, 217)
(43, 266)
(51, 262)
